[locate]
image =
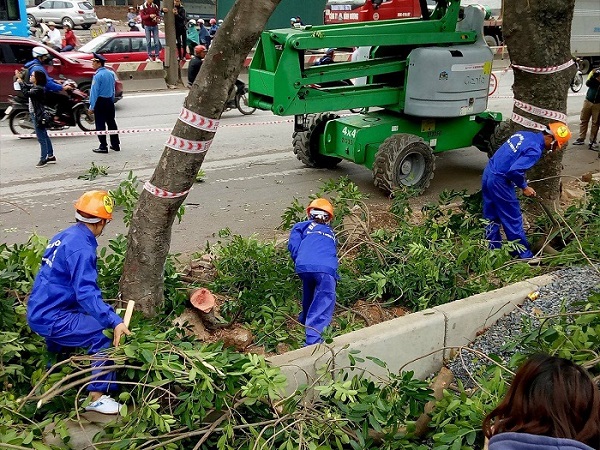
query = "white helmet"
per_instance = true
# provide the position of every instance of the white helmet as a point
(201, 21)
(39, 51)
(192, 22)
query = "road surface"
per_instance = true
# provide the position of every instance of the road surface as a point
(251, 172)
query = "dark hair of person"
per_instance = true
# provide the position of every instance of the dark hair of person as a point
(40, 77)
(549, 396)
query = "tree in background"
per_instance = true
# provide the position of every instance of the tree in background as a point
(538, 33)
(149, 235)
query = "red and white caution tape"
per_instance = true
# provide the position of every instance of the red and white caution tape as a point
(197, 121)
(544, 70)
(527, 123)
(97, 133)
(541, 112)
(161, 193)
(183, 145)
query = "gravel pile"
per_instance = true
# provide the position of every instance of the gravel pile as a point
(569, 286)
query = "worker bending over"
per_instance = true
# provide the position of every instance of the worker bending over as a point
(312, 245)
(66, 307)
(505, 170)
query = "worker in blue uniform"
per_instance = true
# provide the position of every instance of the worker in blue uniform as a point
(312, 245)
(102, 104)
(505, 170)
(66, 307)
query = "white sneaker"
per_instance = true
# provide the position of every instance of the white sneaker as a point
(149, 60)
(104, 405)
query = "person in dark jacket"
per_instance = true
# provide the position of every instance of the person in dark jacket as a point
(196, 63)
(552, 403)
(36, 94)
(312, 245)
(505, 170)
(180, 30)
(590, 110)
(327, 58)
(65, 306)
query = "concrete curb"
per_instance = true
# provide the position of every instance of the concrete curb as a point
(417, 342)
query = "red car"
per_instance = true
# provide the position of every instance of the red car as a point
(119, 47)
(16, 51)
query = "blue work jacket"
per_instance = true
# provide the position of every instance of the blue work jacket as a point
(67, 282)
(313, 248)
(517, 155)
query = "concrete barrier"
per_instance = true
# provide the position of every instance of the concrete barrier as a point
(417, 342)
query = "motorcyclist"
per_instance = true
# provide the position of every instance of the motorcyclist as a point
(54, 90)
(327, 58)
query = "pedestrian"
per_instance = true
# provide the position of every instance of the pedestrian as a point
(192, 36)
(203, 34)
(110, 28)
(312, 245)
(53, 38)
(102, 104)
(150, 14)
(131, 14)
(552, 403)
(212, 31)
(65, 306)
(196, 63)
(34, 91)
(590, 110)
(69, 42)
(180, 32)
(327, 58)
(505, 170)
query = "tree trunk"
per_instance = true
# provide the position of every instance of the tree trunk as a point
(150, 231)
(172, 77)
(537, 33)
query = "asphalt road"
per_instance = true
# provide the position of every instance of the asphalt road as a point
(251, 172)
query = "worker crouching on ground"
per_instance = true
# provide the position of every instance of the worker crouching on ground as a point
(66, 307)
(505, 170)
(312, 245)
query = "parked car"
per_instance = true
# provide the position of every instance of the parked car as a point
(119, 47)
(73, 13)
(16, 51)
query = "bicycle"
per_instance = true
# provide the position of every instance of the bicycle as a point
(577, 81)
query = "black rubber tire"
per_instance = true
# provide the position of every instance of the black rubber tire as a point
(403, 160)
(499, 136)
(31, 22)
(67, 21)
(585, 65)
(241, 102)
(86, 26)
(85, 87)
(306, 143)
(13, 123)
(83, 120)
(577, 82)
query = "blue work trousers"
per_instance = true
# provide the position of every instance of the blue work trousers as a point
(318, 303)
(501, 207)
(74, 329)
(43, 139)
(152, 34)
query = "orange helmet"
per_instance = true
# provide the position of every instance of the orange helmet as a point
(560, 132)
(322, 204)
(96, 203)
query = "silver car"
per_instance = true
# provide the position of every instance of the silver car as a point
(63, 12)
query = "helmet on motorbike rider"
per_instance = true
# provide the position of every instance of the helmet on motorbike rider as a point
(191, 22)
(330, 51)
(213, 21)
(39, 51)
(199, 49)
(97, 204)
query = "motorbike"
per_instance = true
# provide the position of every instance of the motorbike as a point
(19, 119)
(238, 98)
(577, 81)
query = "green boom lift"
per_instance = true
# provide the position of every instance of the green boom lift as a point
(425, 92)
